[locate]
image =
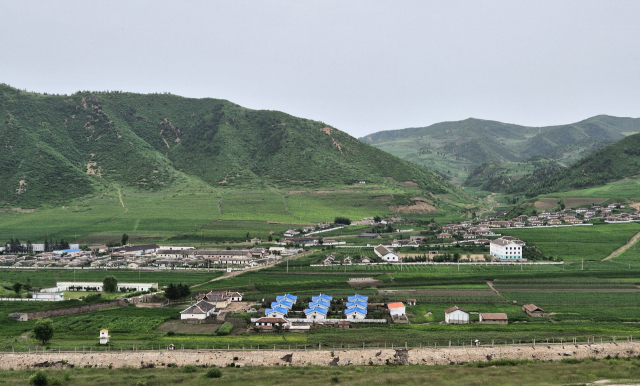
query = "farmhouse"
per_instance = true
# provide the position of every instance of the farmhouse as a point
(316, 313)
(291, 233)
(326, 298)
(267, 323)
(221, 299)
(385, 254)
(276, 312)
(355, 313)
(199, 311)
(497, 318)
(282, 303)
(444, 235)
(456, 315)
(396, 309)
(533, 310)
(104, 336)
(504, 248)
(357, 297)
(51, 296)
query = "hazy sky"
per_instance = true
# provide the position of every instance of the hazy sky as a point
(361, 66)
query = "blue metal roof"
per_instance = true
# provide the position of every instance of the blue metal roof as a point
(355, 309)
(319, 310)
(358, 297)
(288, 297)
(322, 297)
(282, 303)
(320, 303)
(280, 310)
(357, 303)
(70, 250)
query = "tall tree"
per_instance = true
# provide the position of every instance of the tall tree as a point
(43, 330)
(125, 239)
(16, 288)
(110, 284)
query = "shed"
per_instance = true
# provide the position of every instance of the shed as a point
(411, 302)
(533, 310)
(456, 315)
(104, 336)
(497, 318)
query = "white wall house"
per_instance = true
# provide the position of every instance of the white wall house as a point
(53, 296)
(355, 313)
(385, 254)
(506, 249)
(316, 313)
(201, 310)
(396, 309)
(456, 315)
(104, 336)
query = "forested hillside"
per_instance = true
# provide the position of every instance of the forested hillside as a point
(57, 148)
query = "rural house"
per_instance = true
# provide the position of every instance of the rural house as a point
(385, 254)
(497, 318)
(199, 311)
(533, 310)
(396, 309)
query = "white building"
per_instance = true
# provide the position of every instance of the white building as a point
(456, 315)
(355, 313)
(503, 248)
(104, 336)
(396, 309)
(316, 313)
(52, 296)
(385, 254)
(199, 311)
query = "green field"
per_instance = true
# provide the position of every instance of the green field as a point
(574, 372)
(576, 243)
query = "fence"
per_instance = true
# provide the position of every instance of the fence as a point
(432, 345)
(28, 300)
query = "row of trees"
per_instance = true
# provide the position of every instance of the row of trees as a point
(15, 246)
(177, 291)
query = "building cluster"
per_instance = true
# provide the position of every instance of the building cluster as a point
(150, 255)
(209, 304)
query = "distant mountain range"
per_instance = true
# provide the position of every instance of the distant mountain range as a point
(455, 149)
(57, 148)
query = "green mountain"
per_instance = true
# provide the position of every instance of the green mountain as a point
(455, 149)
(617, 161)
(57, 148)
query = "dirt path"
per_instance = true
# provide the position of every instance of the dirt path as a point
(236, 273)
(490, 284)
(120, 196)
(623, 248)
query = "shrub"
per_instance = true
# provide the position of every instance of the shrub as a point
(213, 372)
(170, 333)
(39, 379)
(189, 369)
(225, 329)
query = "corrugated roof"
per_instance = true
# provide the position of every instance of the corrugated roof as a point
(454, 308)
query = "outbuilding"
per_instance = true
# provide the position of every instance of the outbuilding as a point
(533, 310)
(456, 315)
(495, 318)
(396, 309)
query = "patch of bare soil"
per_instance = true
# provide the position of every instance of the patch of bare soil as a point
(546, 203)
(381, 198)
(326, 130)
(418, 207)
(20, 210)
(180, 326)
(366, 283)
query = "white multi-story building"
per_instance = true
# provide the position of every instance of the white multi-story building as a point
(503, 248)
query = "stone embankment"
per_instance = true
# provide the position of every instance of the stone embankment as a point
(426, 356)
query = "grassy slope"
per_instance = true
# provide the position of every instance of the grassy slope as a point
(454, 149)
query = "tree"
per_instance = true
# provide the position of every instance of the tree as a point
(16, 288)
(342, 220)
(183, 290)
(270, 238)
(377, 219)
(110, 284)
(125, 238)
(39, 379)
(43, 331)
(171, 292)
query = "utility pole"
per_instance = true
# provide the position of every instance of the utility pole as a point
(287, 265)
(583, 264)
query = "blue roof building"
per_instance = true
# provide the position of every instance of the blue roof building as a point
(358, 297)
(276, 311)
(355, 313)
(282, 303)
(320, 303)
(288, 297)
(324, 297)
(357, 303)
(317, 313)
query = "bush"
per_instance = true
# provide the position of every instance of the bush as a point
(189, 369)
(39, 379)
(225, 329)
(213, 372)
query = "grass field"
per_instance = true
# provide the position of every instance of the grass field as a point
(575, 243)
(627, 189)
(615, 371)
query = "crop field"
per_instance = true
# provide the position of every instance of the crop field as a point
(615, 191)
(326, 206)
(230, 231)
(48, 277)
(576, 243)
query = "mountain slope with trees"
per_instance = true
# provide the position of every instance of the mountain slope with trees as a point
(57, 148)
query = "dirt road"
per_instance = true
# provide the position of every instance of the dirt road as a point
(623, 248)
